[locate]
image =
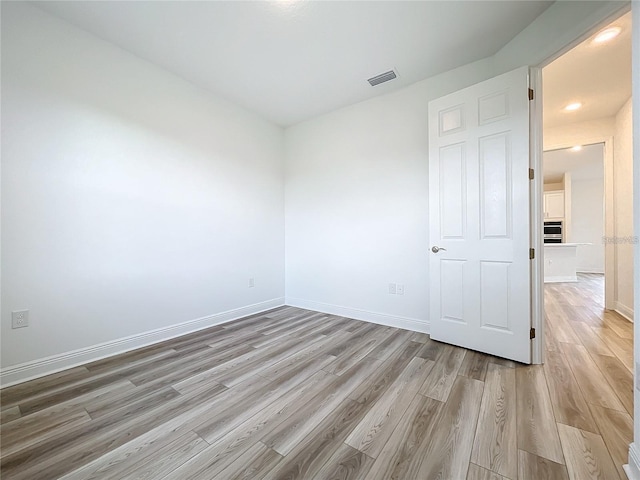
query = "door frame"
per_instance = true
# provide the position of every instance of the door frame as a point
(537, 190)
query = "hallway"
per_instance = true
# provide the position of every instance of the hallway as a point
(589, 365)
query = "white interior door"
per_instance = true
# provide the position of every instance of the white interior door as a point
(479, 217)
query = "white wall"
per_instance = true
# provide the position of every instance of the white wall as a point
(634, 453)
(587, 219)
(623, 197)
(549, 187)
(580, 133)
(356, 185)
(131, 200)
(568, 206)
(357, 201)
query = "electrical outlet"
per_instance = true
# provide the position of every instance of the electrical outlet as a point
(392, 288)
(252, 283)
(400, 289)
(20, 319)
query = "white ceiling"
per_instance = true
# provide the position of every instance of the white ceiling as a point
(598, 76)
(587, 163)
(291, 60)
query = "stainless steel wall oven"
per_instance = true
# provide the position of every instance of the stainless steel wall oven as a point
(553, 232)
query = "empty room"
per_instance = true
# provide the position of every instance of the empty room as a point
(298, 239)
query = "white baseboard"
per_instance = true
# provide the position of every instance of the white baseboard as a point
(561, 279)
(56, 363)
(598, 272)
(365, 315)
(625, 311)
(633, 468)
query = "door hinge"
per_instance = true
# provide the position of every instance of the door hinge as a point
(532, 253)
(532, 333)
(531, 94)
(531, 174)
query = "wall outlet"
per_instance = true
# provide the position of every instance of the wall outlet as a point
(252, 282)
(392, 288)
(400, 289)
(20, 319)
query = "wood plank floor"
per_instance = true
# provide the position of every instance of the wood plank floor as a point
(296, 394)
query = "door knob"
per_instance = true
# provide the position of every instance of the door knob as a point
(437, 249)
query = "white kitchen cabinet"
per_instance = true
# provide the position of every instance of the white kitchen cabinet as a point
(554, 204)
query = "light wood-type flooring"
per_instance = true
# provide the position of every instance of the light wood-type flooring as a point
(295, 394)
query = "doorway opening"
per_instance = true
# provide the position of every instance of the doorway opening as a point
(574, 216)
(587, 232)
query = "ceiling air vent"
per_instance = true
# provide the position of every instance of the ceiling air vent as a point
(383, 77)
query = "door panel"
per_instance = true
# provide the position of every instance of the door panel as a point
(452, 274)
(452, 194)
(479, 217)
(494, 283)
(495, 186)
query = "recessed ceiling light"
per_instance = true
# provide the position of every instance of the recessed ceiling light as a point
(577, 148)
(573, 107)
(607, 34)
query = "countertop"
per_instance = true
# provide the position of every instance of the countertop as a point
(556, 245)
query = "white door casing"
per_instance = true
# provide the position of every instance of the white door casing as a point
(479, 217)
